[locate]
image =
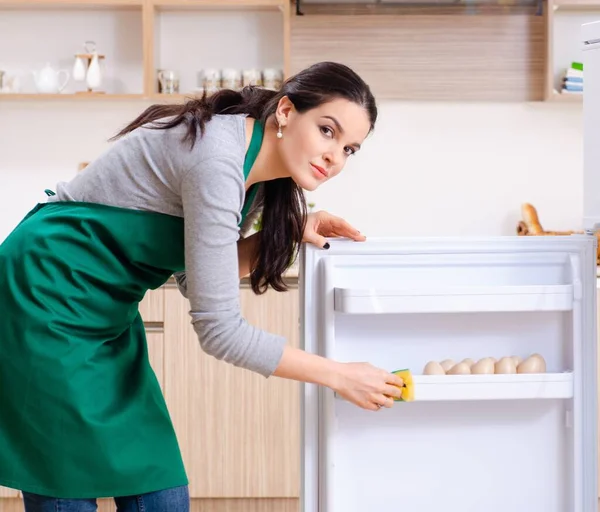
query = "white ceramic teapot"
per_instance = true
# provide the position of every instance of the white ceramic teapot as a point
(47, 79)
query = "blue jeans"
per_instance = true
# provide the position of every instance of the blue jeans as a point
(169, 500)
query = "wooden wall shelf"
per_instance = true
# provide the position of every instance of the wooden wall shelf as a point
(421, 53)
(71, 97)
(222, 4)
(69, 4)
(576, 4)
(172, 98)
(147, 34)
(566, 98)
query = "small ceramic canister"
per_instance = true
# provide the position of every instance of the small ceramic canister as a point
(252, 77)
(231, 79)
(210, 80)
(272, 79)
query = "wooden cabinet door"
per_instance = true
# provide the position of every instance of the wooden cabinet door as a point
(5, 492)
(156, 355)
(152, 306)
(152, 310)
(238, 432)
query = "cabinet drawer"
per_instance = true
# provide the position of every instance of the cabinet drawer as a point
(152, 307)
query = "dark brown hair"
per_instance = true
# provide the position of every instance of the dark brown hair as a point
(284, 206)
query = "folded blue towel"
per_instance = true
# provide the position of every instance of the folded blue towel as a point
(572, 87)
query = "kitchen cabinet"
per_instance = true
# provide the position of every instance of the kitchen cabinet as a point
(404, 51)
(152, 307)
(424, 55)
(7, 493)
(156, 350)
(11, 505)
(152, 310)
(238, 432)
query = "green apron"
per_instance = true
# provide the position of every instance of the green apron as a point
(82, 414)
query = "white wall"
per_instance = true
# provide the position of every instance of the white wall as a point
(42, 143)
(462, 169)
(428, 169)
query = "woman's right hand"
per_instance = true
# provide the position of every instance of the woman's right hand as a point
(367, 386)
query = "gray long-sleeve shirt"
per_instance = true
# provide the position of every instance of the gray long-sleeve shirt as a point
(154, 170)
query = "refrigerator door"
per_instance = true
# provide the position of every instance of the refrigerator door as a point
(518, 442)
(591, 121)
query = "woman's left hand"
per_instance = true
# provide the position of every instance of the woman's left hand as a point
(321, 224)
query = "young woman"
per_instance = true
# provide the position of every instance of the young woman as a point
(81, 413)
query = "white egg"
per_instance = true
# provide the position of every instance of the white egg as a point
(447, 364)
(517, 360)
(433, 368)
(505, 365)
(533, 364)
(483, 366)
(459, 369)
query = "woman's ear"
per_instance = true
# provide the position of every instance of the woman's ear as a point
(284, 108)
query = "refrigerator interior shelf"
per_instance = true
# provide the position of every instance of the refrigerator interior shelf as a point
(454, 299)
(434, 388)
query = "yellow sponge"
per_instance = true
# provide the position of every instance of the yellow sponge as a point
(408, 389)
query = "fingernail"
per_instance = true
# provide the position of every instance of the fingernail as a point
(326, 246)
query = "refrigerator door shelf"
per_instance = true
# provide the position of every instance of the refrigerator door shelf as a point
(435, 388)
(454, 299)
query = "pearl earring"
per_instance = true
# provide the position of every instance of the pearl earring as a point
(279, 133)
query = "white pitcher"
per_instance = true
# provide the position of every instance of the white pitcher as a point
(47, 79)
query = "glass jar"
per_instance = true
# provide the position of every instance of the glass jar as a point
(252, 77)
(211, 80)
(231, 79)
(272, 78)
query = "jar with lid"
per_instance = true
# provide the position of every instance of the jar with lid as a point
(231, 79)
(272, 78)
(252, 77)
(210, 80)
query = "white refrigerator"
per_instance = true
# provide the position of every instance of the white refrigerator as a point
(591, 118)
(499, 442)
(467, 443)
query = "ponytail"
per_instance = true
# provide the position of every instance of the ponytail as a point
(283, 203)
(253, 101)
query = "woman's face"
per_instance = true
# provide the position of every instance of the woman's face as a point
(316, 144)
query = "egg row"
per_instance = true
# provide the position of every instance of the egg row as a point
(535, 363)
